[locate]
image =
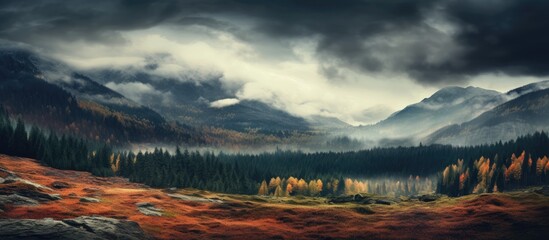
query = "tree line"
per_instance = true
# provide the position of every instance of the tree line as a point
(299, 173)
(65, 152)
(282, 187)
(494, 175)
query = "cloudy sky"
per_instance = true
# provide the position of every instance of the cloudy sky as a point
(356, 60)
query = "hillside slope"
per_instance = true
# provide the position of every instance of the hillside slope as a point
(47, 94)
(449, 105)
(525, 114)
(192, 214)
(194, 102)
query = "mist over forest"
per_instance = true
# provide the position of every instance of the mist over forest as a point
(294, 119)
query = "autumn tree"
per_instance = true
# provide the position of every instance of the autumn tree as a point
(279, 192)
(263, 189)
(289, 189)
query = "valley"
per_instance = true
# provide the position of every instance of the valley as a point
(244, 120)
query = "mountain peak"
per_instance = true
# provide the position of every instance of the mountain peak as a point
(452, 93)
(16, 60)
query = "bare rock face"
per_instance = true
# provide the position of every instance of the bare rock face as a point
(78, 228)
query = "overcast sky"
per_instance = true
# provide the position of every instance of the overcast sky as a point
(355, 60)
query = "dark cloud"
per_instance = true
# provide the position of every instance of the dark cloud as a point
(492, 36)
(503, 36)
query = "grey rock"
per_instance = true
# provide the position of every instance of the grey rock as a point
(109, 228)
(543, 191)
(148, 209)
(193, 198)
(31, 183)
(384, 202)
(14, 199)
(342, 199)
(144, 204)
(428, 198)
(89, 200)
(57, 196)
(31, 193)
(59, 185)
(77, 228)
(9, 180)
(360, 199)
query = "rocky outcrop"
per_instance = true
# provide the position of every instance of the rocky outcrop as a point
(77, 228)
(30, 193)
(193, 198)
(428, 197)
(60, 185)
(148, 209)
(543, 191)
(18, 191)
(89, 200)
(361, 199)
(14, 199)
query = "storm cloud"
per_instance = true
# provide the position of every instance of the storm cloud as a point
(358, 54)
(431, 41)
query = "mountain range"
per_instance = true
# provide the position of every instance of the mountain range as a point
(522, 115)
(448, 117)
(139, 107)
(49, 95)
(202, 103)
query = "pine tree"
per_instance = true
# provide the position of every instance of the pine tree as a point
(18, 143)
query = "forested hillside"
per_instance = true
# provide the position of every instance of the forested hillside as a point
(292, 172)
(24, 93)
(525, 114)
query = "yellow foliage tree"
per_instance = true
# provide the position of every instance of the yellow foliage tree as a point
(348, 186)
(289, 189)
(313, 188)
(302, 187)
(278, 192)
(263, 189)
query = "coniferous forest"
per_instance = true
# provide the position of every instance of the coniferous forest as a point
(450, 170)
